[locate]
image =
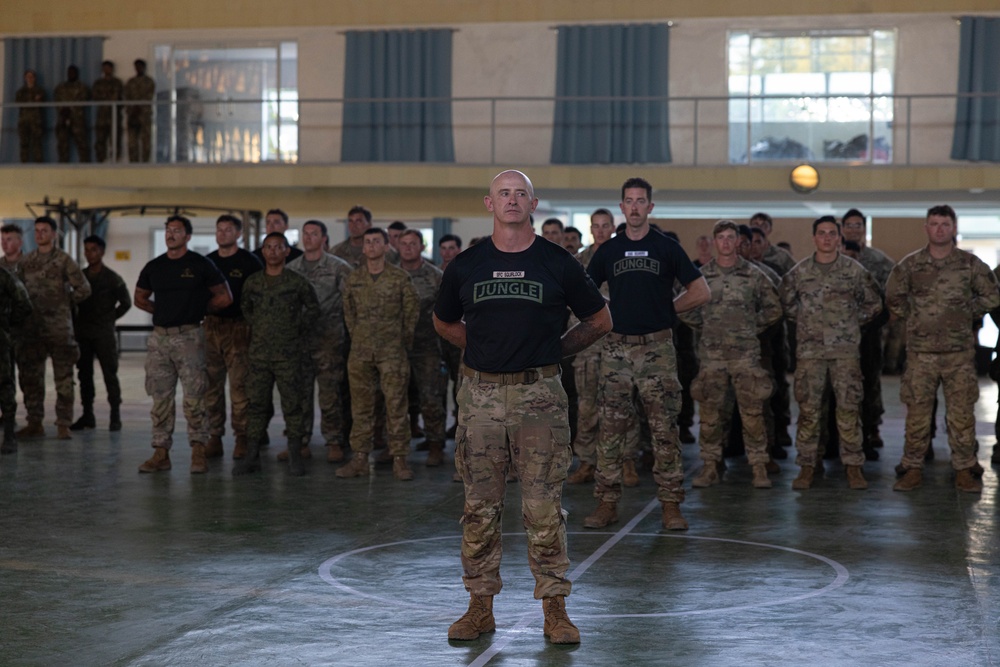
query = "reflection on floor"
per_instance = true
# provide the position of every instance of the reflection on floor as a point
(102, 566)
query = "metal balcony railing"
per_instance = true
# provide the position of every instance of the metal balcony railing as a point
(706, 131)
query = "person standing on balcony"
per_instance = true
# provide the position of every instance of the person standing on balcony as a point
(71, 121)
(108, 88)
(30, 120)
(140, 88)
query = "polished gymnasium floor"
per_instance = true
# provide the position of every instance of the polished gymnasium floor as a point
(102, 566)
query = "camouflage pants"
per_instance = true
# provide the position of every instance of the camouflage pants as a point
(227, 342)
(810, 381)
(262, 377)
(524, 426)
(651, 369)
(780, 402)
(367, 372)
(327, 371)
(31, 355)
(587, 367)
(8, 397)
(102, 134)
(139, 138)
(77, 131)
(956, 372)
(452, 356)
(30, 136)
(687, 370)
(105, 348)
(431, 377)
(169, 358)
(752, 387)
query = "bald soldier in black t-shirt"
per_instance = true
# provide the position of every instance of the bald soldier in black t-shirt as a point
(512, 291)
(640, 267)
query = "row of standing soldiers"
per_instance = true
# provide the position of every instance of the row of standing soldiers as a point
(72, 128)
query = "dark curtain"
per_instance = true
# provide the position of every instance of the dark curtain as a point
(616, 61)
(389, 64)
(977, 119)
(49, 57)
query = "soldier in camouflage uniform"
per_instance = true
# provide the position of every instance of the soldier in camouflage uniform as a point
(641, 266)
(449, 246)
(54, 283)
(426, 364)
(587, 367)
(12, 241)
(940, 291)
(178, 289)
(351, 250)
(30, 123)
(879, 265)
(227, 339)
(94, 326)
(327, 338)
(15, 308)
(744, 304)
(381, 308)
(72, 121)
(139, 117)
(504, 302)
(281, 307)
(108, 126)
(830, 297)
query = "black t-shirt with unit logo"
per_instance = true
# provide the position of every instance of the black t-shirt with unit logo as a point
(640, 276)
(236, 268)
(514, 303)
(180, 287)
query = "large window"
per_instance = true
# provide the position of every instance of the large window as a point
(815, 96)
(230, 103)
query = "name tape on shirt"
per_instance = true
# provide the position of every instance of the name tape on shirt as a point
(637, 253)
(508, 274)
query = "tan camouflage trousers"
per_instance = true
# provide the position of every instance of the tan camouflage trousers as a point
(140, 138)
(227, 343)
(327, 372)
(431, 377)
(525, 426)
(956, 373)
(367, 372)
(810, 380)
(31, 356)
(650, 369)
(169, 358)
(752, 387)
(587, 367)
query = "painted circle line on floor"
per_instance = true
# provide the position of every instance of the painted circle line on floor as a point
(839, 580)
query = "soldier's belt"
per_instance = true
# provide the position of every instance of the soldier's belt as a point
(168, 331)
(521, 377)
(662, 334)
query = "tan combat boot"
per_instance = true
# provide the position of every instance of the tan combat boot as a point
(62, 433)
(401, 471)
(672, 518)
(583, 474)
(804, 480)
(33, 429)
(856, 479)
(966, 481)
(558, 628)
(709, 476)
(911, 479)
(605, 515)
(477, 620)
(334, 452)
(435, 454)
(760, 480)
(199, 464)
(159, 462)
(356, 467)
(630, 477)
(213, 448)
(240, 449)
